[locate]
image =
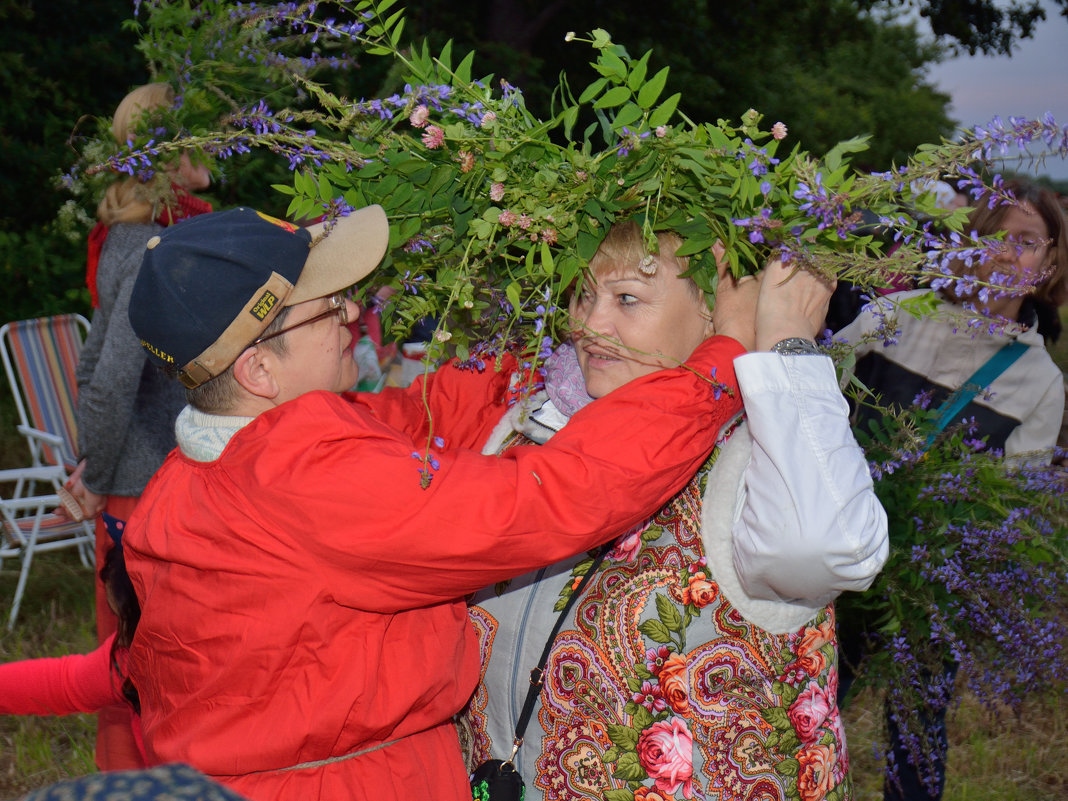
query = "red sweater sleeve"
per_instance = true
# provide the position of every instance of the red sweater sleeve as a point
(460, 405)
(59, 685)
(361, 510)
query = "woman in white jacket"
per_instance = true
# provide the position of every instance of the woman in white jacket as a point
(701, 658)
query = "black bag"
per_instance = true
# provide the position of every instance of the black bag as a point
(497, 780)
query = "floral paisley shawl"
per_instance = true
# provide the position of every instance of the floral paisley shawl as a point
(657, 689)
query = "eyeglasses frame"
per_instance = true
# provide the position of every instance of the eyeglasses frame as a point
(338, 306)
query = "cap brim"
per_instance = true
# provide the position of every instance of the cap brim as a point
(338, 259)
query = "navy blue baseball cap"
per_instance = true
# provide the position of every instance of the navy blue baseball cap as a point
(210, 285)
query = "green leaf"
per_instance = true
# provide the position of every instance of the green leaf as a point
(613, 97)
(693, 246)
(833, 160)
(617, 795)
(638, 71)
(642, 719)
(284, 189)
(601, 38)
(593, 90)
(629, 768)
(650, 92)
(668, 613)
(547, 259)
(627, 115)
(446, 56)
(569, 118)
(463, 71)
(512, 293)
(588, 244)
(395, 35)
(326, 191)
(611, 66)
(609, 756)
(663, 112)
(623, 736)
(777, 717)
(655, 631)
(788, 767)
(788, 741)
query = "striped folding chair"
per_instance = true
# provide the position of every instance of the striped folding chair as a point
(28, 526)
(39, 357)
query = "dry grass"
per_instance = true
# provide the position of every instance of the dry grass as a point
(992, 757)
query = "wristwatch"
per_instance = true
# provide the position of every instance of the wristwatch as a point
(796, 346)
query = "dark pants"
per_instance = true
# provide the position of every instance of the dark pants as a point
(906, 782)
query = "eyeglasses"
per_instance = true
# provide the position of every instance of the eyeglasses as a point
(1020, 246)
(336, 305)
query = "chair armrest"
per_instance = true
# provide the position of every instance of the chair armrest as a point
(35, 433)
(47, 473)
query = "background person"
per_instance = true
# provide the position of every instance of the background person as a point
(301, 559)
(702, 655)
(1017, 407)
(126, 408)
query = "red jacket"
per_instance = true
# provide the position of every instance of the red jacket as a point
(302, 593)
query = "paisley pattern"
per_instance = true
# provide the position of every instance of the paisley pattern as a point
(656, 688)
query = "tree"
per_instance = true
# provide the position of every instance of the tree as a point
(55, 68)
(978, 25)
(827, 69)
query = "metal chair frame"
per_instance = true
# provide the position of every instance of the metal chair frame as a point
(40, 357)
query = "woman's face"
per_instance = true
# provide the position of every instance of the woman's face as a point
(1027, 250)
(626, 324)
(1023, 258)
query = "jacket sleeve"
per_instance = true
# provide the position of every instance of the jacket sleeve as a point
(1032, 441)
(460, 405)
(390, 544)
(811, 526)
(61, 685)
(106, 398)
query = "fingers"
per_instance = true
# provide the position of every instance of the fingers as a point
(793, 302)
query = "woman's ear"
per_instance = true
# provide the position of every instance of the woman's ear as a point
(254, 371)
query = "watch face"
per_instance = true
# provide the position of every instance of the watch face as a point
(796, 346)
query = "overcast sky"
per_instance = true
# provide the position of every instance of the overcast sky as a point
(1033, 81)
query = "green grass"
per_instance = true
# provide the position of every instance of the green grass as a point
(56, 619)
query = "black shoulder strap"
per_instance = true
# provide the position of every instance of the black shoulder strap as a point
(537, 675)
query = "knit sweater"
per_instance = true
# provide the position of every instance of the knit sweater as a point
(126, 407)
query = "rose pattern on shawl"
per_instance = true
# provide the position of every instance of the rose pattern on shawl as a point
(816, 775)
(700, 591)
(812, 656)
(674, 684)
(626, 548)
(665, 751)
(810, 710)
(651, 794)
(700, 706)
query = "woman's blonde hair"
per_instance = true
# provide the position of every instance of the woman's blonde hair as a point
(624, 245)
(129, 200)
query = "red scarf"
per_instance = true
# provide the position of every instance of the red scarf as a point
(185, 205)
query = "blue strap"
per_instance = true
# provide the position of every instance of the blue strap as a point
(981, 379)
